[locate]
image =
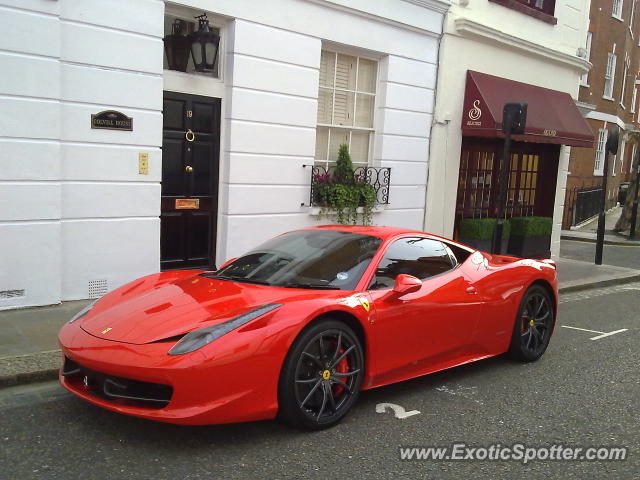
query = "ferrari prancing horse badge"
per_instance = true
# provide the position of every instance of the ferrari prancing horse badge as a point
(365, 303)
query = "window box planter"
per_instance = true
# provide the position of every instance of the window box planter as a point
(367, 182)
(530, 237)
(316, 211)
(478, 233)
(378, 177)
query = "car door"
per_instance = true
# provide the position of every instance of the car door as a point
(427, 329)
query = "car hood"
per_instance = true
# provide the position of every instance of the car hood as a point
(175, 308)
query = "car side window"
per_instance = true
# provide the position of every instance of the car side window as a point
(420, 257)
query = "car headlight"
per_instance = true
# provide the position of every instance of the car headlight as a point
(192, 341)
(83, 312)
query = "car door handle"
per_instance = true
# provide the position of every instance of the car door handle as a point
(472, 290)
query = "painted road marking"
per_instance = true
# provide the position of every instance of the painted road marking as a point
(582, 329)
(602, 334)
(398, 411)
(608, 334)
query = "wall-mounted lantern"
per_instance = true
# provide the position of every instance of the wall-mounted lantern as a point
(177, 46)
(204, 46)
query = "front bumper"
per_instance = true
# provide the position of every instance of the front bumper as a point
(224, 382)
(123, 391)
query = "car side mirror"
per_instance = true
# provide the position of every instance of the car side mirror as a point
(406, 284)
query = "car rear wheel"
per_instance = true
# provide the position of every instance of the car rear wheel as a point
(321, 377)
(533, 325)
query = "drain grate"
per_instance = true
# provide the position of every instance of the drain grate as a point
(97, 288)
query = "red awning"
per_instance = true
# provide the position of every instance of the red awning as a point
(552, 116)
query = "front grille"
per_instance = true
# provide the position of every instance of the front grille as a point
(116, 389)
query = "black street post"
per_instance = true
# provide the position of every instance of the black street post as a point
(634, 208)
(514, 119)
(610, 149)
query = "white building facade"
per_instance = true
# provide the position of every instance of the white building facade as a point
(84, 209)
(539, 44)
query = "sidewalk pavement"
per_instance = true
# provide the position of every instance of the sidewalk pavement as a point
(28, 337)
(587, 232)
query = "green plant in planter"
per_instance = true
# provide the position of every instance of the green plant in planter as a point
(478, 233)
(344, 199)
(344, 167)
(531, 226)
(367, 198)
(481, 229)
(531, 237)
(344, 193)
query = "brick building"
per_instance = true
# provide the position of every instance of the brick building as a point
(609, 94)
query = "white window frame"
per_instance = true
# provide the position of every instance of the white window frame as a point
(584, 80)
(598, 164)
(634, 97)
(326, 162)
(624, 84)
(632, 16)
(610, 76)
(616, 10)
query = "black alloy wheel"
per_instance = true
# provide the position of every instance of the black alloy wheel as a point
(533, 326)
(321, 377)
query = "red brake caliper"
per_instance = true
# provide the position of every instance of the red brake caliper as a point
(342, 367)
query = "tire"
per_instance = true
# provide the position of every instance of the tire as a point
(321, 376)
(533, 325)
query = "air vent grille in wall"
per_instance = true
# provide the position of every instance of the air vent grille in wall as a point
(97, 288)
(7, 294)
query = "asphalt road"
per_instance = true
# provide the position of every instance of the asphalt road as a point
(582, 392)
(618, 255)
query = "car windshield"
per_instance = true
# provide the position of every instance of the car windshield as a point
(316, 259)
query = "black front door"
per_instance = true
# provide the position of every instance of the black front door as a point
(190, 159)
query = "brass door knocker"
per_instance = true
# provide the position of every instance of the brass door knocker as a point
(190, 136)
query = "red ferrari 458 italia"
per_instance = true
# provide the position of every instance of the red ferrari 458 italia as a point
(297, 327)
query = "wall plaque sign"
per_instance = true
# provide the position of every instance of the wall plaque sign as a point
(111, 120)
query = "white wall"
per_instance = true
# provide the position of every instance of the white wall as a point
(110, 225)
(493, 39)
(29, 152)
(74, 208)
(271, 103)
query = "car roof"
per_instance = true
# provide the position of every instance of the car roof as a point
(376, 231)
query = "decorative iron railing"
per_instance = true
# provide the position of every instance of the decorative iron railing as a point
(584, 202)
(378, 177)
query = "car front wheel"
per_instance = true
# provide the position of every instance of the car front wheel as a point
(321, 377)
(533, 325)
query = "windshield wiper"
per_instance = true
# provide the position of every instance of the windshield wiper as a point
(236, 279)
(314, 286)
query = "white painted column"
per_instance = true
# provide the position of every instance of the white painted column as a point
(270, 123)
(561, 188)
(29, 153)
(403, 123)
